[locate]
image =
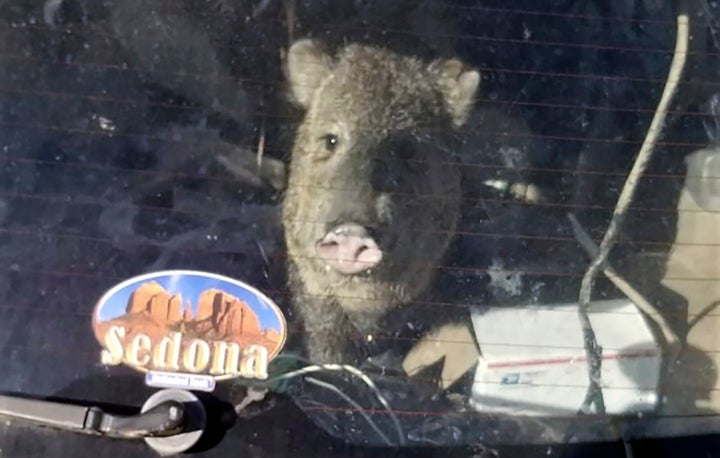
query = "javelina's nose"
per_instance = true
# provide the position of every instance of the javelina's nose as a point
(349, 249)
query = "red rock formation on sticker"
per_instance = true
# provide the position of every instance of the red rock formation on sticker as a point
(154, 300)
(175, 313)
(224, 313)
(228, 314)
(140, 298)
(272, 335)
(187, 315)
(206, 305)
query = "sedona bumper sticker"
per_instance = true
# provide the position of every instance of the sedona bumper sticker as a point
(189, 329)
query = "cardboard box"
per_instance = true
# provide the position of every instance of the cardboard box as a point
(533, 360)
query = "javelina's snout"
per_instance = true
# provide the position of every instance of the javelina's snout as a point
(358, 234)
(349, 248)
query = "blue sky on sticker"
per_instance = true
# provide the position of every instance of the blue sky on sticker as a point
(190, 286)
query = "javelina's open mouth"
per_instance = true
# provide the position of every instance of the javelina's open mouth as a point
(349, 248)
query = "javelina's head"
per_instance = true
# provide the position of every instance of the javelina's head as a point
(373, 193)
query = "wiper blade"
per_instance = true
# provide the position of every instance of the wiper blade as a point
(171, 421)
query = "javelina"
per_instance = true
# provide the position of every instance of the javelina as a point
(373, 192)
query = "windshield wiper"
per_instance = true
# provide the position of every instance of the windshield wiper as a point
(165, 419)
(171, 421)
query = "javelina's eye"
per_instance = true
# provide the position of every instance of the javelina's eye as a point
(331, 142)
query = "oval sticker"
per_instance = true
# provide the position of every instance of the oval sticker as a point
(189, 329)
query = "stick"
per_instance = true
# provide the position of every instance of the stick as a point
(592, 349)
(671, 339)
(290, 18)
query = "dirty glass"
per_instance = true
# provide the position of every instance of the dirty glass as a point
(485, 224)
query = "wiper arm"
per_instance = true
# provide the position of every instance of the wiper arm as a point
(165, 419)
(171, 421)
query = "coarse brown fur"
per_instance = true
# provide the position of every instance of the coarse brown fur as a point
(395, 119)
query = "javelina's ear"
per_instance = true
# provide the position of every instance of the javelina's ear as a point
(459, 87)
(306, 67)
